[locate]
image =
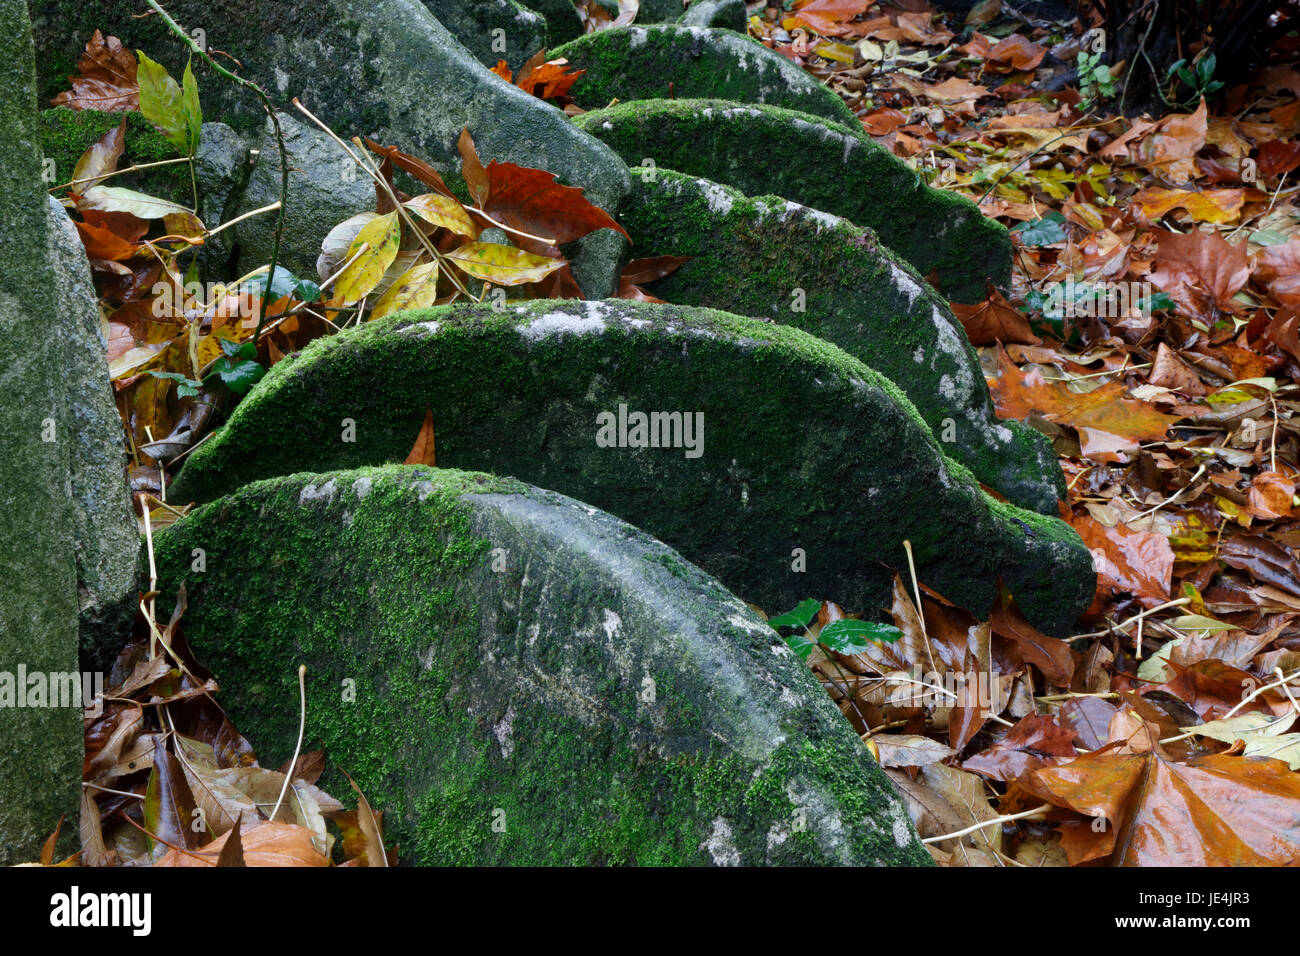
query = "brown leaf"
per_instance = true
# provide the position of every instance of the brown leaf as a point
(1049, 654)
(1176, 137)
(1016, 52)
(1270, 495)
(827, 17)
(422, 452)
(994, 320)
(232, 853)
(1200, 270)
(99, 159)
(413, 165)
(531, 201)
(471, 169)
(106, 79)
(264, 844)
(1138, 562)
(1168, 371)
(1277, 157)
(1036, 741)
(1215, 811)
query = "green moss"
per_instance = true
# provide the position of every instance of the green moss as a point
(648, 62)
(762, 256)
(766, 150)
(399, 598)
(65, 134)
(774, 399)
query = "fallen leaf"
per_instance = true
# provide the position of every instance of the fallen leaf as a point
(106, 78)
(422, 452)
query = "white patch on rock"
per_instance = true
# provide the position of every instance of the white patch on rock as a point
(311, 493)
(556, 323)
(501, 731)
(900, 825)
(719, 844)
(423, 489)
(422, 328)
(637, 37)
(789, 697)
(777, 834)
(716, 196)
(919, 355)
(905, 283)
(612, 622)
(361, 487)
(281, 80)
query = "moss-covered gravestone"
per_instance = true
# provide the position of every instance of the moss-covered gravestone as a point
(40, 762)
(386, 69)
(716, 13)
(772, 459)
(776, 259)
(766, 150)
(666, 61)
(516, 677)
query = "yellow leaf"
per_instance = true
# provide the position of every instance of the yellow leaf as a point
(443, 211)
(414, 289)
(502, 265)
(381, 236)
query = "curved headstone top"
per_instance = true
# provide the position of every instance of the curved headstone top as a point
(768, 257)
(768, 150)
(752, 448)
(532, 680)
(667, 61)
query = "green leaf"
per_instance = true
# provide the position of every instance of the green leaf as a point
(185, 387)
(192, 111)
(801, 644)
(1159, 302)
(161, 102)
(240, 375)
(1042, 232)
(799, 617)
(850, 637)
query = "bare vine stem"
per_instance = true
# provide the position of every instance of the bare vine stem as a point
(194, 48)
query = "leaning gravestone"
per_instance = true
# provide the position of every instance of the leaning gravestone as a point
(670, 61)
(772, 459)
(104, 527)
(765, 150)
(386, 69)
(532, 680)
(40, 762)
(772, 258)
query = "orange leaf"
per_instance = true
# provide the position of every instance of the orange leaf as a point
(1203, 205)
(264, 844)
(827, 17)
(1108, 423)
(422, 450)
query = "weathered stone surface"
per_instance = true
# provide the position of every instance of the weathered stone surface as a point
(652, 62)
(522, 657)
(805, 446)
(493, 30)
(325, 187)
(773, 258)
(728, 14)
(40, 762)
(107, 542)
(221, 171)
(386, 69)
(763, 150)
(562, 20)
(659, 11)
